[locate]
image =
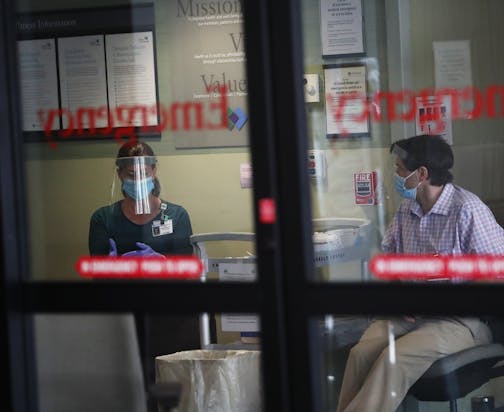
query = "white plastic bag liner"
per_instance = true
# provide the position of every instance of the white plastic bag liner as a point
(214, 380)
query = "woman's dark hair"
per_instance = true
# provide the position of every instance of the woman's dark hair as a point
(430, 151)
(137, 148)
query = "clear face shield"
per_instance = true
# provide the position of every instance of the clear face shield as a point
(400, 152)
(135, 179)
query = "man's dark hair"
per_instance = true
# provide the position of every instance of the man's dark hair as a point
(431, 151)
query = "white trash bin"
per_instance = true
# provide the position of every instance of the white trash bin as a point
(214, 380)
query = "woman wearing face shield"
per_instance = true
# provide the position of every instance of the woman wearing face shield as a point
(141, 224)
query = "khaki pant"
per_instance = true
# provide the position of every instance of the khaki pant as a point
(393, 354)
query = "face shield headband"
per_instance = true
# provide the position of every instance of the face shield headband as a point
(137, 175)
(400, 152)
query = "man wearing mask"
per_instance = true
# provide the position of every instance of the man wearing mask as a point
(435, 218)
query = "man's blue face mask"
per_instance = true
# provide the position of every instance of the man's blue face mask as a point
(400, 186)
(138, 189)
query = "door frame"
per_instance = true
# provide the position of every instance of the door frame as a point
(284, 296)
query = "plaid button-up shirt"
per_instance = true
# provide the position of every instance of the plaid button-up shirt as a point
(458, 223)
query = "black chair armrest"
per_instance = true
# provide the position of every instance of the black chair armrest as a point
(491, 352)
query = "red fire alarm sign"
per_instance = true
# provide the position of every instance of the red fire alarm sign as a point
(365, 188)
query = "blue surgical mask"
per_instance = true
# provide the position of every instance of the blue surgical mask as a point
(400, 186)
(138, 189)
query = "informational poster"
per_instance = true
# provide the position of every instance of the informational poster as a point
(433, 116)
(131, 76)
(341, 27)
(82, 77)
(346, 101)
(207, 40)
(452, 64)
(38, 78)
(94, 76)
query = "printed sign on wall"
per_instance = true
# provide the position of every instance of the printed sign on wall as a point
(207, 41)
(365, 188)
(433, 116)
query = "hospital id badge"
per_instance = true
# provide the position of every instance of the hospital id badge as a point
(161, 229)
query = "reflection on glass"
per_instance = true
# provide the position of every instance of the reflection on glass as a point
(346, 169)
(87, 88)
(130, 363)
(436, 218)
(382, 364)
(433, 206)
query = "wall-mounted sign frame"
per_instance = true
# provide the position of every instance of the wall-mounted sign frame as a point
(89, 74)
(433, 116)
(346, 101)
(342, 28)
(210, 71)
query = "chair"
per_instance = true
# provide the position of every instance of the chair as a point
(458, 374)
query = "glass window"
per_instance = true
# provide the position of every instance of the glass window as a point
(135, 133)
(96, 76)
(408, 362)
(103, 360)
(377, 74)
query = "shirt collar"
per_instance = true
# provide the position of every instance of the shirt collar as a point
(442, 205)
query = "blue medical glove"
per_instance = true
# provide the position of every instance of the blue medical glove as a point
(144, 250)
(113, 247)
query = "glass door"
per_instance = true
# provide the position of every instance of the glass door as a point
(399, 128)
(141, 208)
(316, 108)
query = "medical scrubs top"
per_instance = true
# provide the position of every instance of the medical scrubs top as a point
(110, 222)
